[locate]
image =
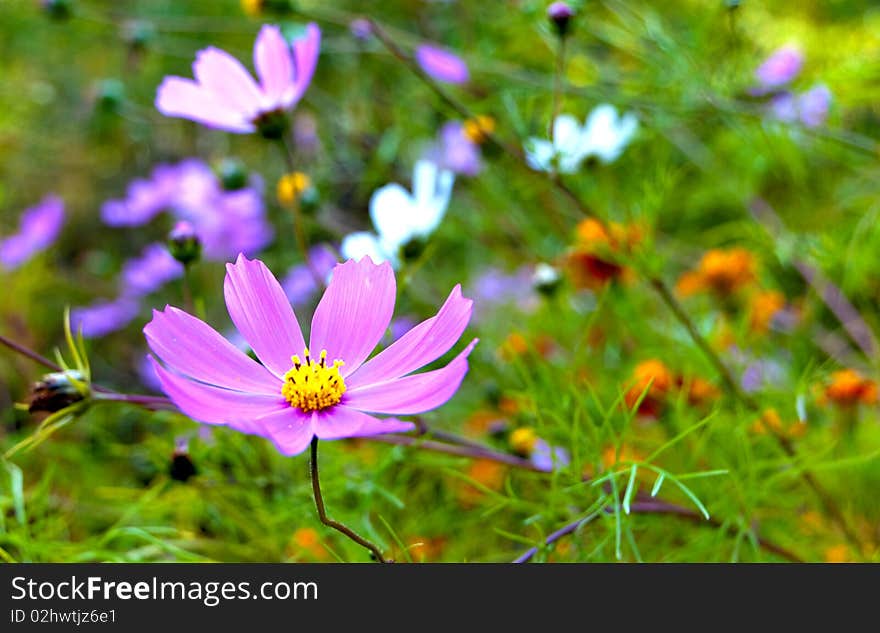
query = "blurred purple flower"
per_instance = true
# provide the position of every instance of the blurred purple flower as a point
(299, 282)
(38, 229)
(360, 28)
(104, 317)
(226, 97)
(144, 199)
(495, 288)
(226, 222)
(441, 64)
(547, 458)
(780, 68)
(455, 151)
(814, 105)
(153, 269)
(810, 107)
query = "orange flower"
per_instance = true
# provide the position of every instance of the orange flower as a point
(307, 541)
(517, 345)
(423, 549)
(770, 422)
(611, 456)
(485, 472)
(763, 306)
(721, 271)
(848, 388)
(837, 554)
(590, 263)
(481, 421)
(654, 373)
(700, 391)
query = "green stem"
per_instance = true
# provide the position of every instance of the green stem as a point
(322, 513)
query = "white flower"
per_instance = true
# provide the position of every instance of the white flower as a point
(605, 135)
(400, 216)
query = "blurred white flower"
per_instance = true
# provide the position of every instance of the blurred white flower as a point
(400, 216)
(604, 135)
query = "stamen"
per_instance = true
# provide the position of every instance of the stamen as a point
(313, 386)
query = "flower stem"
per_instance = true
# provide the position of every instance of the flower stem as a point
(322, 513)
(29, 353)
(557, 84)
(301, 241)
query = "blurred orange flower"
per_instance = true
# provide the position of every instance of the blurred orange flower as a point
(306, 541)
(770, 422)
(591, 261)
(654, 373)
(485, 472)
(720, 271)
(848, 388)
(763, 306)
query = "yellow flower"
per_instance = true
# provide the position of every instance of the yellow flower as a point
(523, 440)
(479, 128)
(252, 8)
(291, 186)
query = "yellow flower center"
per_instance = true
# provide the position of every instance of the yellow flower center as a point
(312, 386)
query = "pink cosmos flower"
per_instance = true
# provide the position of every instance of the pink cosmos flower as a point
(327, 388)
(226, 97)
(441, 64)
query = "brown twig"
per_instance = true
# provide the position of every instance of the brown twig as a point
(322, 513)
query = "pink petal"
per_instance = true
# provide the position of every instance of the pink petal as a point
(193, 348)
(220, 73)
(305, 59)
(423, 344)
(412, 394)
(215, 405)
(262, 314)
(340, 422)
(354, 312)
(184, 98)
(272, 59)
(290, 430)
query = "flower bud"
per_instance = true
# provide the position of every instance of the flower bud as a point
(138, 34)
(57, 391)
(109, 95)
(546, 279)
(184, 244)
(58, 9)
(233, 174)
(560, 15)
(413, 249)
(255, 8)
(272, 125)
(182, 467)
